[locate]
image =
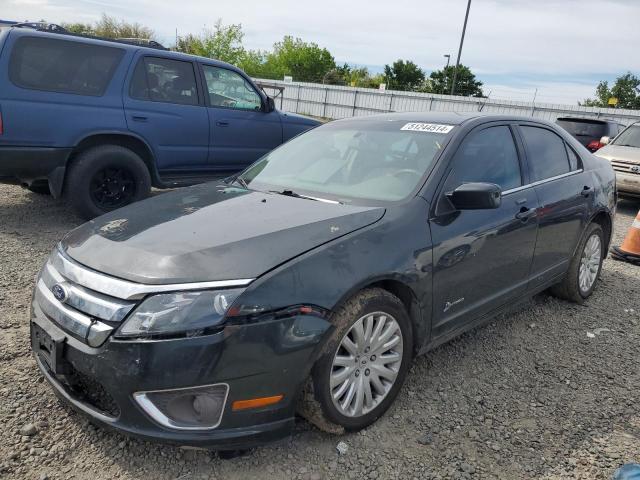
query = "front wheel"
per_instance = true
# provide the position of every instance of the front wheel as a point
(365, 361)
(585, 267)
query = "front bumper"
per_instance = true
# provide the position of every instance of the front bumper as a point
(254, 360)
(25, 165)
(628, 183)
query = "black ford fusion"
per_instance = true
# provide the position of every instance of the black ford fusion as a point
(210, 315)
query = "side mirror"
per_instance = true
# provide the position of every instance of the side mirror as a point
(476, 196)
(270, 105)
(605, 140)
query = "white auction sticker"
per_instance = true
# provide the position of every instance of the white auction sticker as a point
(427, 127)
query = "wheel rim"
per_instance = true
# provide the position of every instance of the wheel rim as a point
(112, 187)
(590, 263)
(366, 364)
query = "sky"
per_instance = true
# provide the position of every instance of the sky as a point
(562, 48)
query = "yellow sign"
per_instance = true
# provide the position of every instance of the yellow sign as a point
(613, 101)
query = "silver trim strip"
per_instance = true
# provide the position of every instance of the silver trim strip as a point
(150, 409)
(71, 320)
(540, 182)
(124, 289)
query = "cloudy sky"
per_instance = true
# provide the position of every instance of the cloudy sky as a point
(562, 48)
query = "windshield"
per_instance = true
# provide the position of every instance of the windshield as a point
(629, 137)
(346, 161)
(589, 130)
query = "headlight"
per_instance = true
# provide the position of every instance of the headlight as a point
(179, 312)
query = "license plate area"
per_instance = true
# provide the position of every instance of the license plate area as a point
(50, 350)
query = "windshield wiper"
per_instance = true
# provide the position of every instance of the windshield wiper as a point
(241, 181)
(291, 193)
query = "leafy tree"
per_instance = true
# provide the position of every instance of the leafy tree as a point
(403, 75)
(223, 42)
(110, 27)
(626, 89)
(305, 62)
(439, 81)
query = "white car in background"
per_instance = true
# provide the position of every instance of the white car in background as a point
(624, 154)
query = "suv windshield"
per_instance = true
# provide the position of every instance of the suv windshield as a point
(629, 137)
(585, 130)
(351, 160)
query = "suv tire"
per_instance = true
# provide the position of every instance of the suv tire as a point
(585, 257)
(104, 178)
(367, 310)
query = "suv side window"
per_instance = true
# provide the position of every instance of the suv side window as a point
(487, 155)
(546, 153)
(164, 80)
(63, 66)
(229, 89)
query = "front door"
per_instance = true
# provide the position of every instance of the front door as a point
(241, 129)
(482, 258)
(162, 106)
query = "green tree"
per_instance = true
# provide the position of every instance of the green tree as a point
(305, 62)
(626, 89)
(467, 85)
(403, 75)
(223, 42)
(111, 27)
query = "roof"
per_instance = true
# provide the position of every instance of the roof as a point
(447, 118)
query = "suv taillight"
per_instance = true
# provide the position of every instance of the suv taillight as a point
(594, 145)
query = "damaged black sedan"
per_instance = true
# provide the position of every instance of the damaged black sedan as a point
(209, 316)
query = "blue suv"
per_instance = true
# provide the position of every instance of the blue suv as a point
(100, 122)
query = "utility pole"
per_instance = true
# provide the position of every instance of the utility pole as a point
(464, 29)
(444, 73)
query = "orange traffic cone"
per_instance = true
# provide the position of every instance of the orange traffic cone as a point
(629, 251)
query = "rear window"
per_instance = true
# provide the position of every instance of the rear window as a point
(63, 66)
(583, 128)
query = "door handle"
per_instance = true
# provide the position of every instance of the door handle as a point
(525, 214)
(139, 118)
(222, 123)
(586, 191)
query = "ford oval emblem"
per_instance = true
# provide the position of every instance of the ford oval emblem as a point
(60, 292)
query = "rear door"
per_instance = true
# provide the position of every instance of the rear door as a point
(565, 193)
(163, 106)
(241, 130)
(482, 258)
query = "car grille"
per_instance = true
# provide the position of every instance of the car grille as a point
(65, 296)
(88, 390)
(625, 166)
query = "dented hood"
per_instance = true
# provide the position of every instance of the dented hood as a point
(209, 232)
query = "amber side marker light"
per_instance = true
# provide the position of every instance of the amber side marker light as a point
(255, 402)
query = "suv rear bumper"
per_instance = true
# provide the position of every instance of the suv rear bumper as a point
(24, 165)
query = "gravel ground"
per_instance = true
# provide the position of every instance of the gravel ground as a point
(530, 395)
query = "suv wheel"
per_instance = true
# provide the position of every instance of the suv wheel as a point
(585, 267)
(364, 363)
(105, 178)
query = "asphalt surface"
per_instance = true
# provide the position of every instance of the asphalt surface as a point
(530, 395)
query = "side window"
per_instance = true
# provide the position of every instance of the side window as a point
(63, 66)
(164, 80)
(487, 155)
(546, 153)
(574, 160)
(229, 89)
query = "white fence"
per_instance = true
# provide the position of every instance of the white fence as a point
(333, 101)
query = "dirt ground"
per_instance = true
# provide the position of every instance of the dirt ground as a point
(530, 395)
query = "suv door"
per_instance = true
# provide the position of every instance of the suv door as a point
(565, 192)
(241, 130)
(482, 258)
(162, 106)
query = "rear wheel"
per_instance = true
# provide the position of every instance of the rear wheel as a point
(105, 178)
(364, 363)
(585, 267)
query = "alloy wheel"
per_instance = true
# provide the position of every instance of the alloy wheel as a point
(590, 263)
(366, 364)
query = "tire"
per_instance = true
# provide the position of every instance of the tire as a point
(41, 188)
(570, 287)
(105, 178)
(365, 308)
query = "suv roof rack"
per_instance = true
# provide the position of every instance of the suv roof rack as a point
(54, 28)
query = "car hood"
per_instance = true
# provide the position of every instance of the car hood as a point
(297, 119)
(210, 232)
(619, 152)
